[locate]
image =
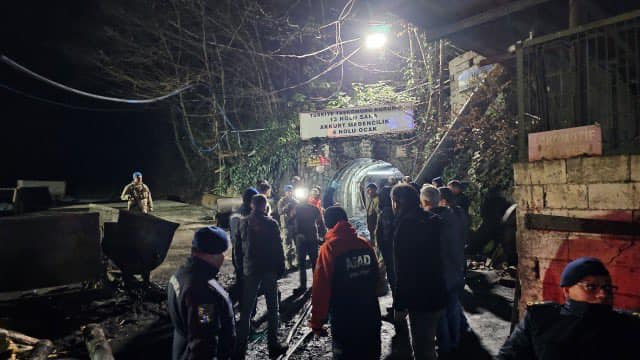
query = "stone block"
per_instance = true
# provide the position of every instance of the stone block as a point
(521, 174)
(634, 168)
(554, 172)
(529, 197)
(614, 196)
(535, 172)
(540, 172)
(566, 196)
(543, 244)
(612, 250)
(606, 169)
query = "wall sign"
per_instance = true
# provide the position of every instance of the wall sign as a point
(373, 120)
(565, 143)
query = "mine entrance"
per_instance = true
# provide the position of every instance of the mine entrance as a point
(352, 179)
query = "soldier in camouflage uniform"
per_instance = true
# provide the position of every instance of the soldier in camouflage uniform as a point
(286, 206)
(137, 195)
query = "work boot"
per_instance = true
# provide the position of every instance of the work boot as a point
(277, 350)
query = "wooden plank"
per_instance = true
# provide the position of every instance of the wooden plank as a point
(568, 224)
(479, 19)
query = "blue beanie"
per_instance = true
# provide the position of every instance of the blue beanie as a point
(580, 268)
(136, 174)
(288, 188)
(210, 240)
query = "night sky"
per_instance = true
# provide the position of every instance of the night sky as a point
(95, 151)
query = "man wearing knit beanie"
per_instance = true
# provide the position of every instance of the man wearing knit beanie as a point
(585, 327)
(200, 309)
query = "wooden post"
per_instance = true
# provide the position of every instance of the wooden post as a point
(523, 151)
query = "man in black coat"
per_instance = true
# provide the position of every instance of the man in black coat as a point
(262, 265)
(200, 309)
(420, 289)
(310, 229)
(584, 327)
(452, 322)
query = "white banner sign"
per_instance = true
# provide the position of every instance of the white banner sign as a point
(371, 120)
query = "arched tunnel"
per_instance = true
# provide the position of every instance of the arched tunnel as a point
(352, 179)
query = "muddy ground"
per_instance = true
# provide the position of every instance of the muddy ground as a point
(138, 326)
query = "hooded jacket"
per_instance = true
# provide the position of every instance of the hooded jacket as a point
(344, 283)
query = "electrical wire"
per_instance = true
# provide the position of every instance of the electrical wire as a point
(327, 70)
(19, 67)
(65, 105)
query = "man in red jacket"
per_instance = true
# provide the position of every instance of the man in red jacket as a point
(344, 285)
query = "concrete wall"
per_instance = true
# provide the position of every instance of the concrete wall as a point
(594, 188)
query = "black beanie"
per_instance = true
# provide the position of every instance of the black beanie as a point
(334, 214)
(210, 240)
(580, 268)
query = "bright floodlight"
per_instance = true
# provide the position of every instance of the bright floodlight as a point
(375, 41)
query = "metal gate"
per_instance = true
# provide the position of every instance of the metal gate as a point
(583, 76)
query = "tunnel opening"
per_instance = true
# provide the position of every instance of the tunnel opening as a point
(350, 182)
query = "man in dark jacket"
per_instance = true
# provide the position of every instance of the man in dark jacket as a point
(384, 232)
(234, 231)
(310, 229)
(585, 327)
(452, 249)
(344, 285)
(200, 309)
(420, 290)
(460, 199)
(262, 265)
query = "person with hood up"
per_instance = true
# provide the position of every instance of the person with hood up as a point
(344, 286)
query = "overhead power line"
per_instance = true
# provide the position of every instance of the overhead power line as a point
(65, 105)
(19, 67)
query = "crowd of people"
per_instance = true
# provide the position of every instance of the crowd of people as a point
(416, 241)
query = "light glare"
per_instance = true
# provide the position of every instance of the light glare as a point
(300, 194)
(375, 40)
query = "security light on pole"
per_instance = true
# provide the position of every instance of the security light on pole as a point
(377, 36)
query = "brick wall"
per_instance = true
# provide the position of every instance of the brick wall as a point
(594, 188)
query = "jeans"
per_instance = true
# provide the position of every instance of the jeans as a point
(269, 284)
(450, 325)
(423, 333)
(306, 247)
